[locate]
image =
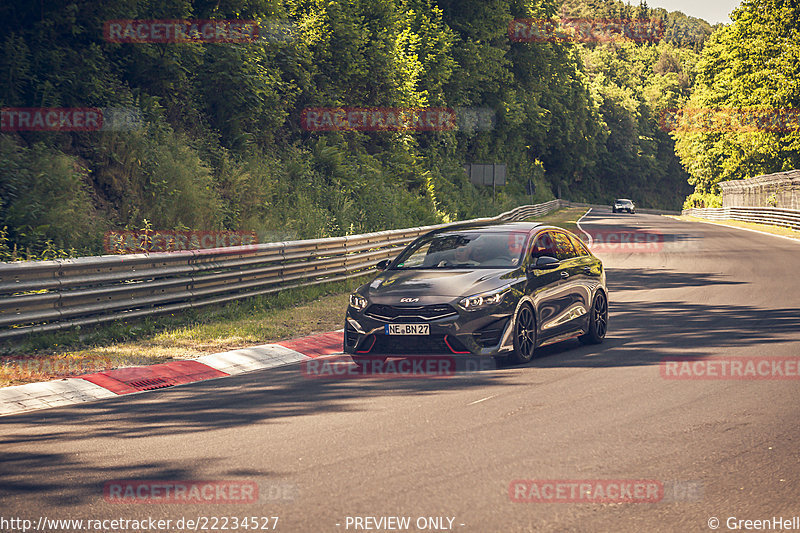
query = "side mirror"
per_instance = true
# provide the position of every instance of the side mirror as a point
(545, 263)
(382, 264)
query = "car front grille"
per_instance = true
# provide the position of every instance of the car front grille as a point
(392, 313)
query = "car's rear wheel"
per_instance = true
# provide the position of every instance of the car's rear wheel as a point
(598, 320)
(524, 336)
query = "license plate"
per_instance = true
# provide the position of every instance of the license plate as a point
(407, 329)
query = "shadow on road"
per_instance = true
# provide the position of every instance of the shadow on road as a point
(252, 400)
(645, 332)
(642, 333)
(647, 279)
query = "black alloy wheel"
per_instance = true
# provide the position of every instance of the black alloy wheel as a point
(598, 320)
(524, 336)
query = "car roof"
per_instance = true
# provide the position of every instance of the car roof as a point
(490, 227)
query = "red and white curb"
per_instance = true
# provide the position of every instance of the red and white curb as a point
(112, 383)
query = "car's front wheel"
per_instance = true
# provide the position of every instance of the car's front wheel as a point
(598, 320)
(524, 336)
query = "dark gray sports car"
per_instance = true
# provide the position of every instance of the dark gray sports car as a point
(496, 290)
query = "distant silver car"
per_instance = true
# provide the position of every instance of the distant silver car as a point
(623, 204)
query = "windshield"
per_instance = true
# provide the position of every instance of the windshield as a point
(626, 202)
(466, 249)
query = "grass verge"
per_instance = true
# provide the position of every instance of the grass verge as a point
(259, 320)
(566, 218)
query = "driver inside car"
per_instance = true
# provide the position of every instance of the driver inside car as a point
(542, 247)
(463, 256)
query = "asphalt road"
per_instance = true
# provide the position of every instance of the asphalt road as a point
(325, 450)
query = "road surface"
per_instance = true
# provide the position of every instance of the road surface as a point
(321, 451)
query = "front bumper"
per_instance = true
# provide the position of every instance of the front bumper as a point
(482, 332)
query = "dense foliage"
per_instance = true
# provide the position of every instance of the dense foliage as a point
(750, 65)
(221, 146)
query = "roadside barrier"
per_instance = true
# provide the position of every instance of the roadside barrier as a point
(45, 296)
(787, 218)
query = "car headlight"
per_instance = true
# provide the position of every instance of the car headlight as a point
(480, 301)
(358, 302)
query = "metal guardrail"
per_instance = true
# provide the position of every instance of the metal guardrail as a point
(45, 296)
(787, 218)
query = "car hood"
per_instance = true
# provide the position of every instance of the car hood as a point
(392, 285)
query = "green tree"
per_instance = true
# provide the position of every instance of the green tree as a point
(752, 64)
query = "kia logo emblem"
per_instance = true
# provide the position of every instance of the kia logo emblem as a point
(408, 300)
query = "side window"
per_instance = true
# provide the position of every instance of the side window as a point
(580, 248)
(543, 246)
(563, 246)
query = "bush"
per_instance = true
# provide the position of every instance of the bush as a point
(44, 200)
